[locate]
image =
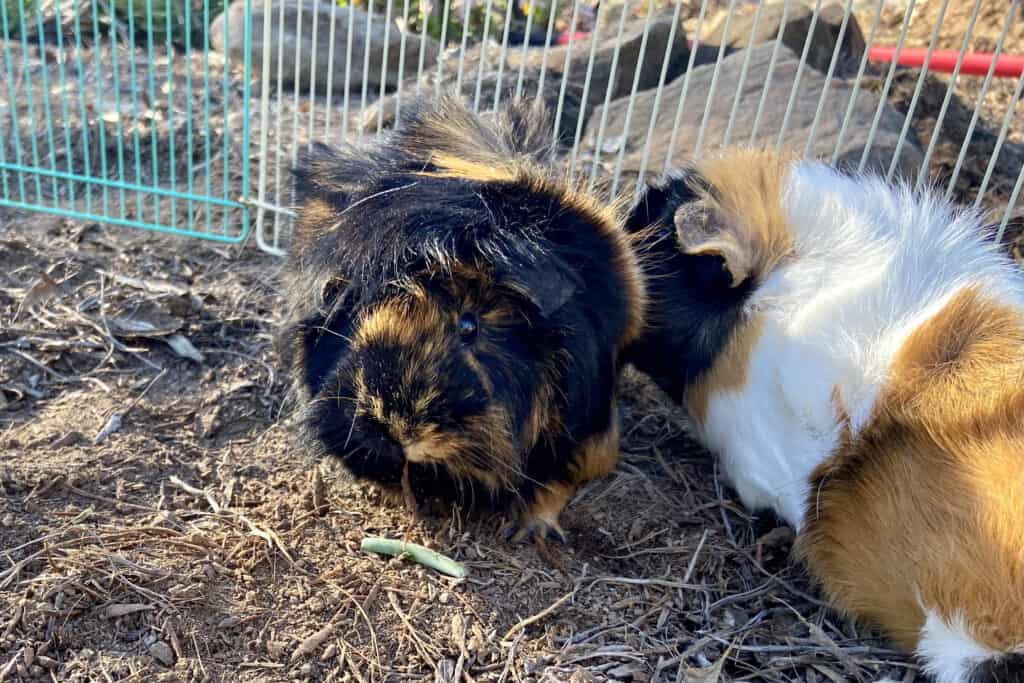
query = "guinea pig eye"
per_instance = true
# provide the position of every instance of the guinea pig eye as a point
(467, 327)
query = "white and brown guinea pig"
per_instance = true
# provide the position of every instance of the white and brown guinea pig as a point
(457, 312)
(854, 353)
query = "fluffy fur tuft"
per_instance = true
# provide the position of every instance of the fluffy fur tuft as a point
(458, 311)
(854, 352)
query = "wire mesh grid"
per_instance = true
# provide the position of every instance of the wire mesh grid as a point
(151, 113)
(121, 111)
(637, 90)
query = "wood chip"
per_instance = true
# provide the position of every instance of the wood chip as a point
(125, 609)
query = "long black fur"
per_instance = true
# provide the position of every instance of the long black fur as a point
(379, 222)
(693, 306)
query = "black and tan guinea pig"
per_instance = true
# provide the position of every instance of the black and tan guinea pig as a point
(853, 351)
(457, 312)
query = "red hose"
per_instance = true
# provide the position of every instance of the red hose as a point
(563, 37)
(975, 63)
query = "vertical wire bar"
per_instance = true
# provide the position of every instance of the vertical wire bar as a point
(401, 59)
(503, 54)
(134, 86)
(206, 109)
(632, 96)
(1003, 130)
(314, 15)
(645, 156)
(1014, 196)
(547, 46)
(279, 119)
(330, 71)
(348, 70)
(857, 81)
(12, 97)
(227, 119)
(462, 45)
(686, 86)
(442, 48)
(799, 73)
(47, 110)
(424, 20)
(150, 73)
(188, 108)
(246, 117)
(828, 78)
(522, 51)
(366, 64)
(65, 112)
(3, 134)
(771, 74)
(261, 181)
(483, 56)
(581, 117)
(99, 106)
(565, 71)
(384, 67)
(922, 174)
(170, 119)
(119, 127)
(917, 92)
(883, 97)
(714, 80)
(980, 102)
(727, 137)
(30, 100)
(294, 154)
(603, 124)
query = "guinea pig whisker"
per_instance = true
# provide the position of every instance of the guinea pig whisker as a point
(324, 328)
(353, 205)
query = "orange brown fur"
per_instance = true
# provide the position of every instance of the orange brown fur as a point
(729, 371)
(750, 230)
(936, 480)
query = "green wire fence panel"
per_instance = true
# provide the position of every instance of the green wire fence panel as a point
(119, 111)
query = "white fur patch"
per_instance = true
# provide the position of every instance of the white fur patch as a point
(872, 262)
(947, 649)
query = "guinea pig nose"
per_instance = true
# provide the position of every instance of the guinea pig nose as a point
(467, 327)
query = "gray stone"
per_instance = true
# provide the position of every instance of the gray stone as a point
(794, 33)
(826, 135)
(629, 57)
(601, 77)
(295, 41)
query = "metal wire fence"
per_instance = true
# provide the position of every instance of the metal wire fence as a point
(121, 112)
(140, 112)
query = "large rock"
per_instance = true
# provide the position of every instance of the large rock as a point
(385, 108)
(621, 82)
(629, 57)
(795, 33)
(826, 135)
(296, 41)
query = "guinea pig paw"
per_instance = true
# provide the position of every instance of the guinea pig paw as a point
(535, 530)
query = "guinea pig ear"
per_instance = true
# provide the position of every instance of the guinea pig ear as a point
(548, 285)
(703, 231)
(659, 199)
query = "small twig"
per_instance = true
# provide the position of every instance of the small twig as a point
(540, 615)
(693, 560)
(115, 420)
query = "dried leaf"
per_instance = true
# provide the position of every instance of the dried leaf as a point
(123, 609)
(138, 327)
(41, 291)
(180, 344)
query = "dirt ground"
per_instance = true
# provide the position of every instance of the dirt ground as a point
(158, 523)
(195, 542)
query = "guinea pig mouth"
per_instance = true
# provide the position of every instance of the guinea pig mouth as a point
(424, 451)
